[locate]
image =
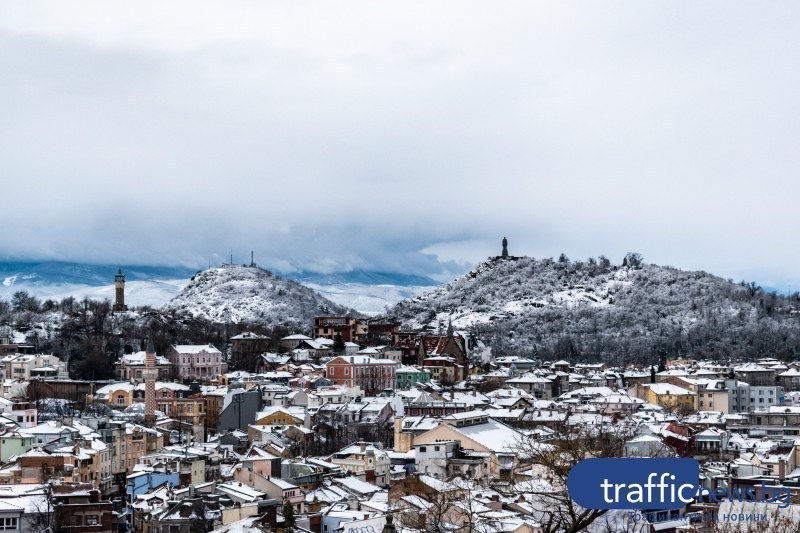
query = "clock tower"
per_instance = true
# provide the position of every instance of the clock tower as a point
(119, 284)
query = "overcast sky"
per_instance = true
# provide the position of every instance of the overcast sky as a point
(405, 136)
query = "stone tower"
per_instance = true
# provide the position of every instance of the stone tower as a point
(505, 248)
(119, 284)
(149, 375)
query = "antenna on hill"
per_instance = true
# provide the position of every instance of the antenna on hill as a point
(231, 256)
(252, 262)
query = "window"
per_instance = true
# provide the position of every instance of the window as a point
(346, 371)
(422, 449)
(8, 523)
(92, 519)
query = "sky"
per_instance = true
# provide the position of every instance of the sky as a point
(402, 137)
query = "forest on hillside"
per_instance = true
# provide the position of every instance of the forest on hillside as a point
(593, 310)
(90, 337)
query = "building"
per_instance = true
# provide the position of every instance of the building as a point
(246, 349)
(440, 349)
(743, 397)
(371, 375)
(494, 442)
(239, 410)
(668, 396)
(130, 367)
(351, 329)
(196, 362)
(366, 460)
(77, 507)
(27, 366)
(13, 442)
(756, 375)
(409, 376)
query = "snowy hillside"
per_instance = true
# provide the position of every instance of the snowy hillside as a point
(365, 291)
(250, 294)
(595, 310)
(55, 280)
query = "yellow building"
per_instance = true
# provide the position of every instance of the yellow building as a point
(214, 400)
(277, 416)
(477, 432)
(668, 396)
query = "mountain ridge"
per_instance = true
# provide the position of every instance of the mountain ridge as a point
(594, 310)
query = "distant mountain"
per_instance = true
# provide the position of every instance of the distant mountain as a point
(64, 273)
(368, 292)
(363, 277)
(234, 293)
(145, 285)
(593, 310)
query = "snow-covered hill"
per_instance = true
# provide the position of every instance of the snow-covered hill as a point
(592, 309)
(365, 291)
(234, 293)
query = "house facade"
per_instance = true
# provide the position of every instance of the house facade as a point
(200, 362)
(371, 375)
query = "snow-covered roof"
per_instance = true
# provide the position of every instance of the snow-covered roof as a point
(195, 348)
(668, 389)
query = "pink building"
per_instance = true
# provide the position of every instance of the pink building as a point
(196, 361)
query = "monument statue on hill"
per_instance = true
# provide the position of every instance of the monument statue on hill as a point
(504, 255)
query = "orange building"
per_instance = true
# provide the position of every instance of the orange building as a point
(372, 375)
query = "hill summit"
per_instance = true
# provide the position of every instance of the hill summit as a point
(238, 293)
(594, 310)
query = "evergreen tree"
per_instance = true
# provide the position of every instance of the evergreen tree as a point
(288, 517)
(338, 344)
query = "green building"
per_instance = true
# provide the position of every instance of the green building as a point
(408, 376)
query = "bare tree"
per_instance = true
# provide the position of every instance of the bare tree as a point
(454, 506)
(556, 458)
(42, 519)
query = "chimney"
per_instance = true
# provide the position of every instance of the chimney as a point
(781, 469)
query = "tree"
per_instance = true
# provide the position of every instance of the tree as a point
(752, 288)
(556, 458)
(23, 301)
(288, 517)
(338, 344)
(446, 507)
(42, 519)
(633, 260)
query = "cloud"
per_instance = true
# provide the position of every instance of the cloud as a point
(407, 139)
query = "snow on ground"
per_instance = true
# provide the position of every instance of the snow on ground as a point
(368, 299)
(154, 293)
